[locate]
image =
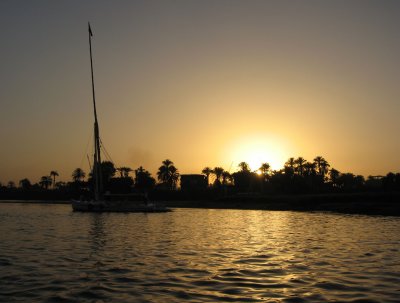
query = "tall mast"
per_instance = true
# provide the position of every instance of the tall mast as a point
(98, 187)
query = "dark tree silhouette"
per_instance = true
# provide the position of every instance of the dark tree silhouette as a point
(218, 171)
(168, 174)
(124, 171)
(226, 177)
(318, 163)
(107, 171)
(25, 184)
(299, 168)
(265, 170)
(207, 171)
(244, 166)
(143, 180)
(54, 174)
(289, 166)
(45, 182)
(309, 169)
(334, 176)
(78, 175)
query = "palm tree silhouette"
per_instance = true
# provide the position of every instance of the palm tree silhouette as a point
(124, 171)
(45, 182)
(318, 164)
(324, 167)
(168, 174)
(78, 174)
(334, 176)
(207, 171)
(25, 184)
(300, 161)
(226, 177)
(218, 171)
(54, 174)
(244, 166)
(265, 169)
(289, 166)
(143, 179)
(290, 163)
(309, 168)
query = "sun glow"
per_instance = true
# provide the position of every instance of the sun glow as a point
(257, 150)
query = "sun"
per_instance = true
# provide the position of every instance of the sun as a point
(256, 150)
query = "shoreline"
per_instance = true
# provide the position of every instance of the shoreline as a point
(384, 204)
(35, 201)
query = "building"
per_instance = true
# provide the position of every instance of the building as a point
(194, 182)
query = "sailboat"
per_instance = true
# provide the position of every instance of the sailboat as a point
(106, 202)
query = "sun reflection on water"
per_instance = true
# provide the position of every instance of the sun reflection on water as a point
(198, 255)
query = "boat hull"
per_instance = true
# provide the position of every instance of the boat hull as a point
(116, 206)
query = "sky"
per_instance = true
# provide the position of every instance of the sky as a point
(202, 83)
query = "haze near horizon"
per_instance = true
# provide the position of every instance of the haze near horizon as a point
(203, 83)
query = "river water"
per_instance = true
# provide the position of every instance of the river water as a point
(50, 254)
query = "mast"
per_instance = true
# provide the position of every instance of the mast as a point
(98, 186)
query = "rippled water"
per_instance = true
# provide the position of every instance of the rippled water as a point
(50, 254)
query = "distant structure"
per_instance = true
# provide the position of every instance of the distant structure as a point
(193, 182)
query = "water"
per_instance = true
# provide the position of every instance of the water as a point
(50, 254)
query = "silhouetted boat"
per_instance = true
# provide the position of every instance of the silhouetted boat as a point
(119, 203)
(106, 202)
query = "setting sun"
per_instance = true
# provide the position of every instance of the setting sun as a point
(258, 149)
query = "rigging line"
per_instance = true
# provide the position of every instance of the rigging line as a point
(87, 147)
(90, 165)
(105, 151)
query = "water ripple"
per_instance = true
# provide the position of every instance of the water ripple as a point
(49, 254)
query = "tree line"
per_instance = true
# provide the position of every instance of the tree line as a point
(297, 176)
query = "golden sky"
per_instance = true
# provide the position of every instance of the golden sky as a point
(203, 83)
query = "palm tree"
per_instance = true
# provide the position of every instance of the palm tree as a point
(174, 177)
(290, 163)
(25, 184)
(324, 167)
(207, 171)
(300, 161)
(321, 165)
(309, 168)
(124, 171)
(163, 173)
(226, 177)
(78, 174)
(139, 170)
(244, 166)
(54, 174)
(289, 166)
(45, 182)
(168, 174)
(218, 171)
(265, 170)
(143, 179)
(318, 160)
(334, 176)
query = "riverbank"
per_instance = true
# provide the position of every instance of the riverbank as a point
(36, 201)
(353, 203)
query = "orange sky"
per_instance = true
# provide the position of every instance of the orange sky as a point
(203, 83)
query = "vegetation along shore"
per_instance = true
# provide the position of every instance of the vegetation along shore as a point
(299, 185)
